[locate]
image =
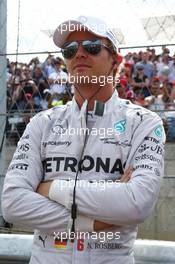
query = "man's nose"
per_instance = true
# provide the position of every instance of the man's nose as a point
(81, 52)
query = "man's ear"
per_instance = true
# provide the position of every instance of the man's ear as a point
(119, 58)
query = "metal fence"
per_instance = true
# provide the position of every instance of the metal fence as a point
(17, 249)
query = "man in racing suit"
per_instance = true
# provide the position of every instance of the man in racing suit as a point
(94, 138)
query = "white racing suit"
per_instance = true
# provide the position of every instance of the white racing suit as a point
(123, 134)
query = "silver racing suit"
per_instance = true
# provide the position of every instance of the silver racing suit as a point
(119, 135)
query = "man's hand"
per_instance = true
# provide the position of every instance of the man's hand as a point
(98, 226)
(43, 188)
(127, 175)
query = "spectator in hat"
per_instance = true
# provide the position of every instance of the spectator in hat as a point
(163, 65)
(121, 88)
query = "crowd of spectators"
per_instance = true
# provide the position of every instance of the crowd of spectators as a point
(145, 78)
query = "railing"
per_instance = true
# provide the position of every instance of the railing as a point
(17, 249)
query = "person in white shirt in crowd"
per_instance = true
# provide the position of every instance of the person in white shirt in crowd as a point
(171, 76)
(57, 79)
(48, 66)
(156, 101)
(148, 66)
(164, 65)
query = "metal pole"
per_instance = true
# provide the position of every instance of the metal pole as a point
(3, 27)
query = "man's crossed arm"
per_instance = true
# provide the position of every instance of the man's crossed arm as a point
(48, 188)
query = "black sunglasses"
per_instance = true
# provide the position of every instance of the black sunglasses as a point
(93, 47)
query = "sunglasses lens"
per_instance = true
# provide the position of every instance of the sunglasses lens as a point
(92, 47)
(70, 50)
